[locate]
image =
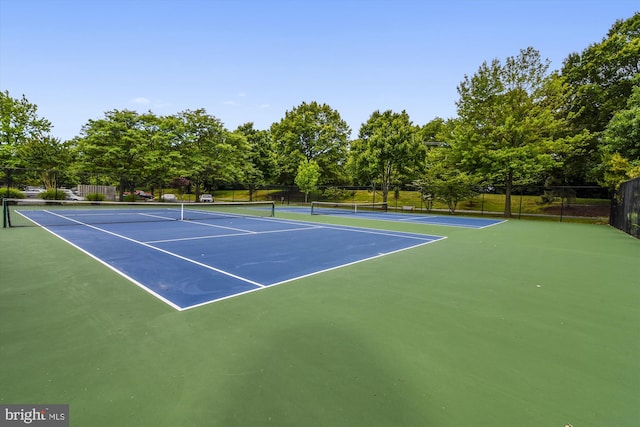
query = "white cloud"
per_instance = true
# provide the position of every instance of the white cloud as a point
(141, 100)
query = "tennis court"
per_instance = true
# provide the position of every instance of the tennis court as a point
(528, 323)
(379, 212)
(189, 256)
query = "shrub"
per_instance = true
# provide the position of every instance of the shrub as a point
(11, 193)
(335, 193)
(96, 197)
(53, 195)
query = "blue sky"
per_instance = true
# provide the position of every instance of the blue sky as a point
(251, 60)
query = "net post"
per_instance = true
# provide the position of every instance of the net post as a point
(4, 212)
(181, 211)
(273, 209)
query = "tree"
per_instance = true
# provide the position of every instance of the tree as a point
(48, 156)
(388, 150)
(115, 146)
(443, 180)
(19, 124)
(430, 134)
(601, 76)
(21, 131)
(261, 166)
(621, 143)
(161, 157)
(312, 132)
(617, 170)
(209, 152)
(600, 81)
(307, 177)
(505, 129)
(622, 134)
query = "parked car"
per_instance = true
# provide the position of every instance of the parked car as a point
(139, 194)
(33, 192)
(169, 198)
(206, 198)
(143, 194)
(70, 195)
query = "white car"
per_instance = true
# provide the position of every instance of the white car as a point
(33, 192)
(70, 195)
(169, 198)
(206, 198)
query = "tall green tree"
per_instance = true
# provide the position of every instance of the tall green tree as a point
(307, 177)
(600, 80)
(19, 125)
(162, 158)
(262, 156)
(311, 132)
(505, 129)
(622, 134)
(388, 150)
(431, 133)
(261, 167)
(444, 180)
(601, 77)
(209, 152)
(116, 146)
(22, 131)
(48, 156)
(621, 144)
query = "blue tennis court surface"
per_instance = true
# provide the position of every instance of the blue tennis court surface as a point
(445, 220)
(190, 263)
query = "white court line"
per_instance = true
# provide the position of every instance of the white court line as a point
(421, 220)
(231, 235)
(384, 233)
(351, 228)
(226, 273)
(111, 267)
(414, 218)
(306, 225)
(496, 223)
(219, 226)
(314, 273)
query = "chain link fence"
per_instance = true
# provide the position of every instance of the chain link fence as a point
(582, 203)
(625, 208)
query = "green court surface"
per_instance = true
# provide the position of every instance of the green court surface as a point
(526, 323)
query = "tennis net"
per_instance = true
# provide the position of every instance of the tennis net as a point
(331, 208)
(29, 212)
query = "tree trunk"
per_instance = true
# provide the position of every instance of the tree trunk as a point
(507, 195)
(386, 181)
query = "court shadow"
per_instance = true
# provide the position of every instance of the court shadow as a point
(320, 374)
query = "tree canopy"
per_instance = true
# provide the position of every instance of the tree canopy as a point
(504, 131)
(387, 151)
(313, 132)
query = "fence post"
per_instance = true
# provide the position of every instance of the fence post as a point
(561, 203)
(520, 208)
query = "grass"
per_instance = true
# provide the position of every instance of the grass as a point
(526, 323)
